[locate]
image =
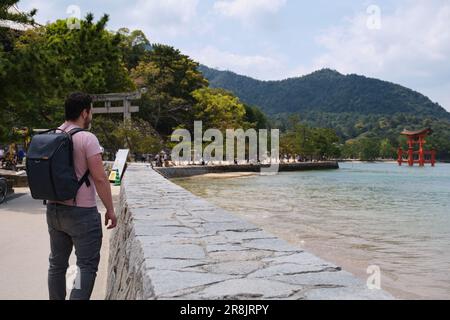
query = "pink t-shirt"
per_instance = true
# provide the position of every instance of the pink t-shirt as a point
(85, 145)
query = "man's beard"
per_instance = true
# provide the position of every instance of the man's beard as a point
(87, 124)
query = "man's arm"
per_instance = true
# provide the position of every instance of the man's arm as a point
(95, 165)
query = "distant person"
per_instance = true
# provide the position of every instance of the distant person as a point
(164, 161)
(20, 156)
(78, 223)
(158, 162)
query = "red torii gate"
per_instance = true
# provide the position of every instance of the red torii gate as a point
(417, 138)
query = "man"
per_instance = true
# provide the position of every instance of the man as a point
(78, 224)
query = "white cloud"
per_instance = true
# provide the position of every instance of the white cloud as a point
(47, 12)
(412, 47)
(256, 66)
(248, 10)
(163, 18)
(160, 19)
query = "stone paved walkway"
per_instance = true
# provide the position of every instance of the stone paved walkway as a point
(25, 247)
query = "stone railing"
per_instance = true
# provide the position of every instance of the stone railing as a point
(170, 244)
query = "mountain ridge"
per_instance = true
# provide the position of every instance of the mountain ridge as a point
(327, 91)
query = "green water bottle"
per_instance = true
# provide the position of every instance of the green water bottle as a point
(117, 180)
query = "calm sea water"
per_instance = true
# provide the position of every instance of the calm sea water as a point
(397, 218)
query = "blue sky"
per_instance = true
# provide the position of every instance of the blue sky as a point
(403, 41)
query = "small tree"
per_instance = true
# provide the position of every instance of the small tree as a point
(139, 136)
(369, 149)
(170, 77)
(387, 151)
(218, 109)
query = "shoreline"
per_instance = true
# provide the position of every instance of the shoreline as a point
(224, 175)
(221, 175)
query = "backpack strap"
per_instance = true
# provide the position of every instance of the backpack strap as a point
(74, 131)
(85, 177)
(49, 130)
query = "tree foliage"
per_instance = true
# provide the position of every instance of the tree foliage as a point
(139, 136)
(218, 109)
(170, 77)
(11, 15)
(49, 62)
(308, 142)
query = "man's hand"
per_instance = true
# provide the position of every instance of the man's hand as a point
(110, 216)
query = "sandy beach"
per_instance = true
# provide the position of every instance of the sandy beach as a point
(227, 175)
(24, 243)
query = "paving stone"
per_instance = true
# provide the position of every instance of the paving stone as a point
(165, 282)
(174, 251)
(150, 230)
(239, 255)
(337, 278)
(173, 264)
(234, 267)
(302, 258)
(248, 289)
(270, 244)
(225, 247)
(288, 269)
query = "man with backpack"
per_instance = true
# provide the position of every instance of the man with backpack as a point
(65, 168)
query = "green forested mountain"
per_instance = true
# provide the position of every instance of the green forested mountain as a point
(326, 91)
(356, 107)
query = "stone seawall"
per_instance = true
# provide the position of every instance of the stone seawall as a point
(170, 244)
(190, 171)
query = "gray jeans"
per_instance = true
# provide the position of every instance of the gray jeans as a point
(73, 227)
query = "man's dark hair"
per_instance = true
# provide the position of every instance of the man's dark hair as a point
(75, 104)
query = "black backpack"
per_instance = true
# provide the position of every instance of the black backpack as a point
(50, 166)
